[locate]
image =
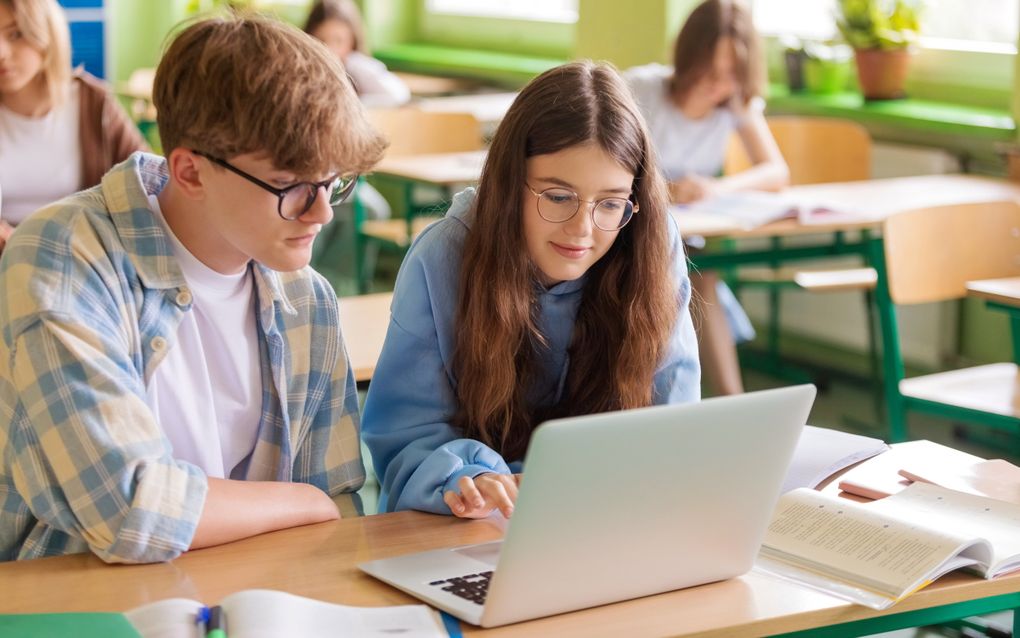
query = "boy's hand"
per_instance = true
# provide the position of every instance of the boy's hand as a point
(5, 233)
(480, 495)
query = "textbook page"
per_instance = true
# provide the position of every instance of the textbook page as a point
(822, 452)
(997, 478)
(748, 209)
(169, 618)
(263, 613)
(847, 550)
(995, 521)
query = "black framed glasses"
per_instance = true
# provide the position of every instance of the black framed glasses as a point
(559, 205)
(295, 200)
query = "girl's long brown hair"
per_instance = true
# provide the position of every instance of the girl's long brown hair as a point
(694, 52)
(630, 300)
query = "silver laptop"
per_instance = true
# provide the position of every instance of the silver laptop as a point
(620, 505)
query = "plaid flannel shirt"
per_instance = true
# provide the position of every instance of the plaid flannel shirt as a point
(90, 300)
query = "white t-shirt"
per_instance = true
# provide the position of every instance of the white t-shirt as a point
(40, 158)
(377, 86)
(683, 146)
(207, 391)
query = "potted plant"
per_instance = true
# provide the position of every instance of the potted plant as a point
(881, 33)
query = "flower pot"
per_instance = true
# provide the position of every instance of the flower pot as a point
(882, 73)
(826, 76)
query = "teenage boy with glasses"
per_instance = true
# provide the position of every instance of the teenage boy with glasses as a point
(172, 375)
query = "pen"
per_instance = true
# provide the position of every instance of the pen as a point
(217, 627)
(202, 619)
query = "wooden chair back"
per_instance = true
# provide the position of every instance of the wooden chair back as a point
(817, 149)
(931, 253)
(415, 132)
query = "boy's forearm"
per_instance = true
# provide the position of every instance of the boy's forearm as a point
(238, 509)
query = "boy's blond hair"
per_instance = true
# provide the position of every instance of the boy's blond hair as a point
(243, 84)
(44, 26)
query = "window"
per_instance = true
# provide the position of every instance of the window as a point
(564, 11)
(990, 25)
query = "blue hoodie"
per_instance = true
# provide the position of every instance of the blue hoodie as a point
(418, 455)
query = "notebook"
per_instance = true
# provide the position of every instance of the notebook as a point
(620, 505)
(751, 209)
(822, 452)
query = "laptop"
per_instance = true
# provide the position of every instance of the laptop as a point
(620, 505)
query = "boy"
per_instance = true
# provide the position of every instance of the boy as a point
(172, 376)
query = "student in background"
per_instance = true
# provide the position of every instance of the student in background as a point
(337, 23)
(559, 287)
(60, 131)
(713, 89)
(172, 376)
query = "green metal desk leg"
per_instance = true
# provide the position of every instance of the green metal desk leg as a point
(892, 360)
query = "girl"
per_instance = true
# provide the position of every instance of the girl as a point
(692, 109)
(59, 132)
(559, 287)
(337, 23)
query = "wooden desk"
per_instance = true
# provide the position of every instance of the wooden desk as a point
(318, 561)
(1002, 294)
(442, 169)
(434, 85)
(364, 320)
(488, 108)
(867, 204)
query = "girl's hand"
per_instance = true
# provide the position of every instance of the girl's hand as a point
(480, 495)
(691, 188)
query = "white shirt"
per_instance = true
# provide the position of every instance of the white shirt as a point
(40, 158)
(207, 391)
(683, 146)
(377, 86)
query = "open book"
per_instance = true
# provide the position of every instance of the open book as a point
(751, 209)
(821, 452)
(255, 613)
(878, 553)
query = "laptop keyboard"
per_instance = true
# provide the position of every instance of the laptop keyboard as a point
(471, 587)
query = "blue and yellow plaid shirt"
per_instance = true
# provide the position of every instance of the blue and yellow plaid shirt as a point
(89, 304)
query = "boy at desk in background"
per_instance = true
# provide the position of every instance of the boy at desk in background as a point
(692, 109)
(172, 376)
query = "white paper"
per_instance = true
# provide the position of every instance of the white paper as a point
(822, 452)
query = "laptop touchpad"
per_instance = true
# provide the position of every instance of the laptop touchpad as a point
(487, 553)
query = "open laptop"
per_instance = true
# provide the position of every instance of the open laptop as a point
(620, 505)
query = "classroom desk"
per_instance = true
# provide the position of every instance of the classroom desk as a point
(364, 320)
(434, 85)
(318, 561)
(1002, 294)
(866, 203)
(441, 169)
(488, 108)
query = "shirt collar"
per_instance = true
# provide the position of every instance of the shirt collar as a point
(126, 188)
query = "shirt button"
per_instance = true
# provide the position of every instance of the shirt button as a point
(158, 344)
(183, 297)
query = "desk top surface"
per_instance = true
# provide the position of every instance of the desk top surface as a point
(319, 561)
(1004, 291)
(865, 203)
(364, 320)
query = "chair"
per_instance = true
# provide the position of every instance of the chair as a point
(410, 132)
(928, 255)
(816, 150)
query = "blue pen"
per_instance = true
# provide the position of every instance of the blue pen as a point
(202, 620)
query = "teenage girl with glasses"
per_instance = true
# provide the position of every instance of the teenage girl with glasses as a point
(558, 287)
